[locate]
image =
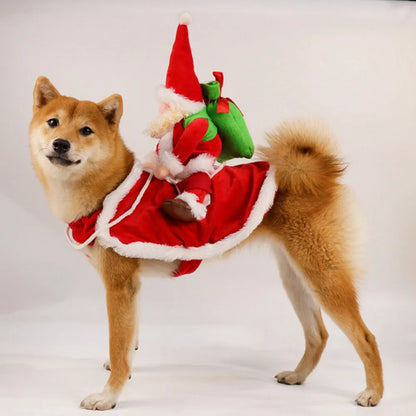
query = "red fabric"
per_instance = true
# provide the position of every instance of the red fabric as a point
(180, 75)
(200, 195)
(199, 180)
(223, 106)
(219, 76)
(84, 228)
(235, 190)
(187, 267)
(187, 142)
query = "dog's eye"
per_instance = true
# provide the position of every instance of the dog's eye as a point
(86, 131)
(53, 122)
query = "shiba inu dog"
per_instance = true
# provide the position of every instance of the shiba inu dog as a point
(80, 158)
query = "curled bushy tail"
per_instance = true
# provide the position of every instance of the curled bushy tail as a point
(305, 158)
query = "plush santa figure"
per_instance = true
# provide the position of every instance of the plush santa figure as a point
(189, 143)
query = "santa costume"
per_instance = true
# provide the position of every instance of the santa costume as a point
(190, 146)
(131, 221)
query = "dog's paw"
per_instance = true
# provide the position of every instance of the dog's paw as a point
(367, 398)
(289, 377)
(99, 401)
(107, 365)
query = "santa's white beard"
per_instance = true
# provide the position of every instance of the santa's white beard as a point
(164, 122)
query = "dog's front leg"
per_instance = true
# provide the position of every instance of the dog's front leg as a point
(107, 364)
(121, 281)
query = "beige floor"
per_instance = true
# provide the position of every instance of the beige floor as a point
(50, 359)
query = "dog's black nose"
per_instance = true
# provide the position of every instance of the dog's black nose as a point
(61, 146)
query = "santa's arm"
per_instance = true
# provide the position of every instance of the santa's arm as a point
(185, 146)
(190, 139)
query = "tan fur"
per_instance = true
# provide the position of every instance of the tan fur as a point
(308, 218)
(310, 223)
(82, 189)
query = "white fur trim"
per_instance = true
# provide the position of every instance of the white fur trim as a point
(201, 163)
(166, 253)
(185, 19)
(199, 210)
(172, 163)
(151, 158)
(169, 96)
(111, 201)
(166, 142)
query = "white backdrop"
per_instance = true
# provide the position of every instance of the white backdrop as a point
(349, 64)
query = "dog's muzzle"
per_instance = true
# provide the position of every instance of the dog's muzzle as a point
(60, 156)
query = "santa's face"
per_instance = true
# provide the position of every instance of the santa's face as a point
(163, 108)
(167, 118)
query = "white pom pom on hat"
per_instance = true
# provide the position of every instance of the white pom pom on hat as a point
(185, 19)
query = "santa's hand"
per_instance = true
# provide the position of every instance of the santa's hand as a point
(161, 172)
(149, 165)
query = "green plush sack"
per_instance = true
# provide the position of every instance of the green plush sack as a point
(232, 129)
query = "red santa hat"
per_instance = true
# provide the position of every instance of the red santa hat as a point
(182, 89)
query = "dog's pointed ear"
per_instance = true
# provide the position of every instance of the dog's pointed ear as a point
(112, 109)
(43, 93)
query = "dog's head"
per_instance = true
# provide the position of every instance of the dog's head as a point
(70, 138)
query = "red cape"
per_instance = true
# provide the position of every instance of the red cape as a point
(132, 223)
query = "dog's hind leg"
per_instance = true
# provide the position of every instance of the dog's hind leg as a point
(343, 308)
(120, 276)
(334, 288)
(309, 314)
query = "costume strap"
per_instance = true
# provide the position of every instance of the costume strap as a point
(80, 246)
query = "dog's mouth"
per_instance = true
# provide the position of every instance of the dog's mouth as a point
(62, 161)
